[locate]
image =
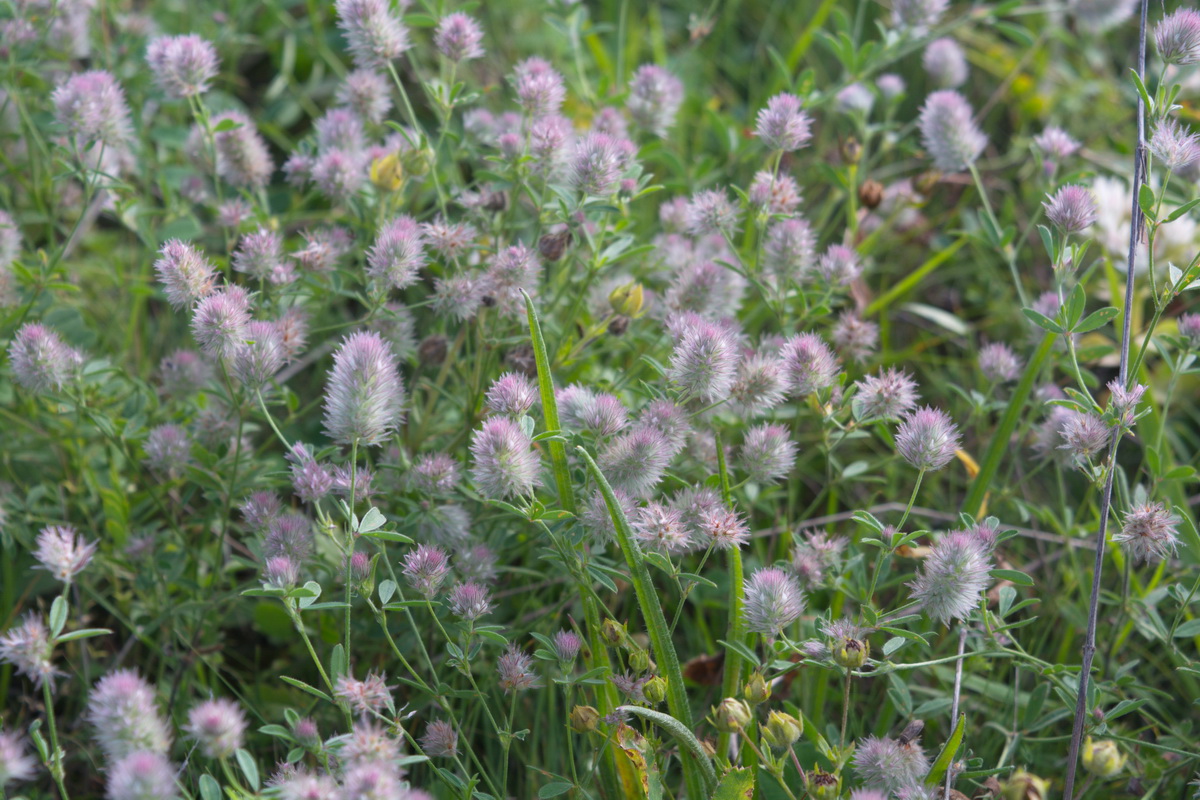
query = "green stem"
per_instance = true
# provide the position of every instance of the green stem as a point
(1009, 252)
(56, 756)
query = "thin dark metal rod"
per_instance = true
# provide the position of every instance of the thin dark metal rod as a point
(1135, 236)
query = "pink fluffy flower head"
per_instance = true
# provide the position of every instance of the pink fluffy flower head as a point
(540, 89)
(945, 63)
(218, 726)
(440, 740)
(1072, 208)
(398, 253)
(27, 647)
(655, 96)
(887, 395)
(635, 462)
(15, 762)
(505, 463)
(808, 364)
(952, 577)
(782, 125)
(219, 321)
(364, 394)
(1177, 36)
(768, 453)
(469, 601)
(426, 569)
(123, 711)
(721, 528)
(260, 356)
(91, 107)
(63, 552)
(143, 775)
(710, 211)
(889, 766)
(1148, 532)
(927, 438)
(515, 670)
(259, 254)
(371, 694)
(512, 394)
(704, 362)
(243, 160)
(182, 65)
(597, 164)
(374, 34)
(949, 132)
(40, 360)
(367, 94)
(1174, 146)
(998, 363)
(458, 37)
(186, 274)
(659, 528)
(773, 601)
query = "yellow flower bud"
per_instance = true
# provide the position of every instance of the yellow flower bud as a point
(731, 715)
(782, 730)
(1103, 758)
(387, 173)
(757, 690)
(850, 653)
(584, 719)
(627, 300)
(1022, 785)
(655, 690)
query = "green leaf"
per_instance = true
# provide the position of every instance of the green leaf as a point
(308, 600)
(1183, 209)
(209, 788)
(387, 588)
(1141, 88)
(389, 536)
(1146, 201)
(1097, 319)
(304, 687)
(555, 789)
(937, 773)
(1076, 305)
(372, 520)
(83, 633)
(249, 768)
(742, 650)
(737, 784)
(1188, 629)
(1015, 576)
(1041, 320)
(337, 662)
(58, 615)
(558, 451)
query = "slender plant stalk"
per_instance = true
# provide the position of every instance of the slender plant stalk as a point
(656, 625)
(1135, 231)
(962, 644)
(737, 624)
(56, 756)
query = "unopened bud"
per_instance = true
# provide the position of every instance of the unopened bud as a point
(552, 246)
(416, 162)
(618, 325)
(655, 690)
(639, 660)
(850, 653)
(870, 194)
(387, 173)
(584, 719)
(757, 690)
(823, 786)
(782, 730)
(627, 300)
(613, 632)
(494, 201)
(1022, 785)
(851, 151)
(731, 715)
(1103, 758)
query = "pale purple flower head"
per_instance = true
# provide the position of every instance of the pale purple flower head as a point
(426, 568)
(705, 360)
(597, 164)
(123, 710)
(469, 600)
(945, 63)
(854, 99)
(1084, 436)
(1148, 532)
(773, 601)
(376, 779)
(340, 128)
(1189, 329)
(567, 645)
(506, 464)
(511, 270)
(635, 462)
(1174, 146)
(839, 265)
(440, 740)
(63, 552)
(15, 762)
(289, 535)
(398, 253)
(760, 385)
(516, 671)
(91, 107)
(27, 647)
(927, 438)
(854, 337)
(1177, 36)
(888, 766)
(220, 320)
(311, 480)
(1056, 144)
(949, 132)
(243, 160)
(258, 254)
(367, 94)
(40, 360)
(457, 297)
(890, 85)
(477, 562)
(768, 453)
(434, 473)
(659, 528)
(808, 364)
(952, 577)
(548, 137)
(670, 420)
(340, 173)
(513, 394)
(368, 744)
(655, 96)
(998, 363)
(370, 694)
(917, 16)
(888, 395)
(168, 450)
(706, 288)
(721, 528)
(815, 556)
(458, 37)
(782, 125)
(789, 251)
(142, 775)
(776, 194)
(183, 372)
(260, 356)
(218, 726)
(374, 34)
(182, 65)
(1072, 208)
(364, 395)
(540, 89)
(710, 211)
(281, 572)
(694, 503)
(185, 273)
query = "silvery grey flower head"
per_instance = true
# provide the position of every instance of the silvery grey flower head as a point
(710, 211)
(182, 65)
(367, 94)
(1173, 146)
(659, 528)
(888, 395)
(773, 601)
(889, 766)
(458, 37)
(398, 253)
(1084, 435)
(63, 552)
(375, 35)
(635, 461)
(917, 16)
(782, 126)
(123, 710)
(364, 394)
(27, 646)
(949, 132)
(952, 576)
(808, 364)
(927, 438)
(945, 63)
(243, 160)
(1072, 209)
(768, 453)
(760, 385)
(998, 363)
(1148, 532)
(1177, 37)
(505, 462)
(854, 337)
(40, 360)
(705, 360)
(218, 726)
(1099, 16)
(655, 96)
(789, 251)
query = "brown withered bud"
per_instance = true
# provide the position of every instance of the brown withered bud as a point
(494, 201)
(432, 350)
(552, 246)
(487, 301)
(584, 719)
(870, 194)
(926, 182)
(851, 151)
(618, 326)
